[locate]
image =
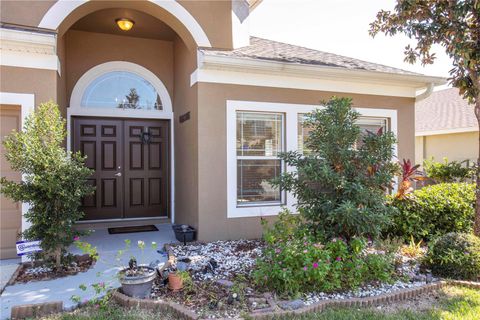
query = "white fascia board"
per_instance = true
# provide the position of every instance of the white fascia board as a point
(291, 82)
(29, 60)
(246, 71)
(445, 131)
(42, 38)
(28, 49)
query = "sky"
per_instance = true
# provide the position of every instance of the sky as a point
(341, 27)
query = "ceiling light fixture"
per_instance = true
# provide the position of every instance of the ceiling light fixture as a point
(125, 24)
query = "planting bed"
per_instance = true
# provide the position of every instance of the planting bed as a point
(36, 272)
(222, 286)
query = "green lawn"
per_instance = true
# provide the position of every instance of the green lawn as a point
(451, 303)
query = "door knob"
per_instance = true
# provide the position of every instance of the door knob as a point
(118, 174)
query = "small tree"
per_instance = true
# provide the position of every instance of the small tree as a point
(132, 99)
(54, 181)
(453, 24)
(340, 184)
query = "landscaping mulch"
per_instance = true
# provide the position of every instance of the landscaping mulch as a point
(222, 286)
(37, 272)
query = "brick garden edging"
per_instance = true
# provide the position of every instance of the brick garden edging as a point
(35, 310)
(40, 309)
(392, 297)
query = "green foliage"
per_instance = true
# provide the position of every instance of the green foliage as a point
(453, 171)
(453, 25)
(455, 255)
(340, 184)
(434, 210)
(54, 181)
(293, 264)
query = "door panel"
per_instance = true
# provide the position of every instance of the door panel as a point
(131, 169)
(146, 175)
(101, 141)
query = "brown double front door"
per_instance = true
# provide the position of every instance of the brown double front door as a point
(130, 159)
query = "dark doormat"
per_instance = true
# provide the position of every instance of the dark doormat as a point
(133, 229)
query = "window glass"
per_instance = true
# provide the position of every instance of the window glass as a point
(372, 124)
(121, 89)
(253, 178)
(259, 141)
(259, 134)
(302, 134)
(366, 124)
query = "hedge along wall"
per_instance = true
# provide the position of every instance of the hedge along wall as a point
(434, 210)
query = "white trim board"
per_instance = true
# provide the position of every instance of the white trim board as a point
(256, 72)
(82, 84)
(26, 101)
(292, 82)
(291, 112)
(62, 8)
(26, 49)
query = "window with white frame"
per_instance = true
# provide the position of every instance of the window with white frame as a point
(256, 133)
(366, 124)
(259, 141)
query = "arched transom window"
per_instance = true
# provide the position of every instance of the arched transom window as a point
(121, 89)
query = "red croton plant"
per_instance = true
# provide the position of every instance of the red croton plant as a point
(409, 174)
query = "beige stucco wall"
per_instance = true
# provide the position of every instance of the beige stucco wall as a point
(214, 16)
(454, 146)
(41, 83)
(212, 171)
(186, 142)
(85, 50)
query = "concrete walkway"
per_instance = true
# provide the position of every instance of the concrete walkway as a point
(7, 269)
(105, 269)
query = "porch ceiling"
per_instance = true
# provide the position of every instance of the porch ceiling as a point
(146, 26)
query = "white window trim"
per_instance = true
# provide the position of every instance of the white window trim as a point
(26, 101)
(291, 112)
(166, 113)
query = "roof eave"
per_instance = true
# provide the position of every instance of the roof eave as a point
(243, 64)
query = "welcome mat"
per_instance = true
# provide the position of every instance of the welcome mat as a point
(133, 229)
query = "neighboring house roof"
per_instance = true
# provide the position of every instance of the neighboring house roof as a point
(264, 49)
(445, 111)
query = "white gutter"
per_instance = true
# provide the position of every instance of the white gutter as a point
(425, 94)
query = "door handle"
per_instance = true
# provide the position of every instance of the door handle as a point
(118, 174)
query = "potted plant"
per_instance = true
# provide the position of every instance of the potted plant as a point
(137, 280)
(177, 280)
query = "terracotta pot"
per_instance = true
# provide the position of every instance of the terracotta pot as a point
(175, 282)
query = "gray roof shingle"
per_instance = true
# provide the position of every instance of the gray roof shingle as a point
(264, 49)
(444, 110)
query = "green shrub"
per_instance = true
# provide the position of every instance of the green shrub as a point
(54, 181)
(294, 264)
(455, 255)
(340, 184)
(434, 210)
(453, 171)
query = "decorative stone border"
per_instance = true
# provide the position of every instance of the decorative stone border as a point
(396, 296)
(36, 310)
